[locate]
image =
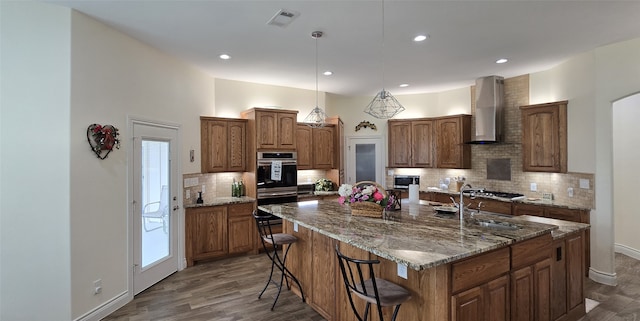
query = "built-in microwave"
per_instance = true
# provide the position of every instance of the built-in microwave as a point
(403, 181)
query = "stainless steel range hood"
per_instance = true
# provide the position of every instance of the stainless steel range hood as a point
(489, 110)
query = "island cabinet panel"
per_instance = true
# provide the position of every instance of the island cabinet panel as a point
(544, 137)
(481, 287)
(558, 213)
(223, 144)
(567, 278)
(531, 279)
(489, 302)
(299, 258)
(323, 262)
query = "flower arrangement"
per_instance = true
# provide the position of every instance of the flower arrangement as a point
(364, 193)
(103, 138)
(324, 185)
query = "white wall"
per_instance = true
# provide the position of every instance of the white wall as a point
(626, 178)
(115, 76)
(34, 169)
(592, 82)
(233, 97)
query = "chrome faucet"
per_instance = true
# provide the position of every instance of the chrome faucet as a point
(463, 189)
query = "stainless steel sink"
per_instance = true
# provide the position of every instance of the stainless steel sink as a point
(497, 225)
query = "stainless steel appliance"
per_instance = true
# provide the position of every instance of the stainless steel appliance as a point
(276, 177)
(403, 181)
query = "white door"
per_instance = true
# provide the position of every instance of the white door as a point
(155, 206)
(365, 160)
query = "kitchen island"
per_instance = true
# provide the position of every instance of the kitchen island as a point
(454, 270)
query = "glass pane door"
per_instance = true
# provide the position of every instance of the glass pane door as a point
(155, 200)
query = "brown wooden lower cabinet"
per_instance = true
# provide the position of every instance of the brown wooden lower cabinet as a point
(567, 278)
(218, 231)
(513, 283)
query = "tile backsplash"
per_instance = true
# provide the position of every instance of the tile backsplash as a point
(215, 185)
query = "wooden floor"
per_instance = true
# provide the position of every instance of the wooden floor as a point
(228, 290)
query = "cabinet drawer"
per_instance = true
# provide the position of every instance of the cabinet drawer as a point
(479, 269)
(531, 251)
(564, 214)
(244, 209)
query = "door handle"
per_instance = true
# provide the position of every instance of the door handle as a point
(175, 208)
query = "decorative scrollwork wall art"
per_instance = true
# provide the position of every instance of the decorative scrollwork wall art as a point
(102, 139)
(366, 124)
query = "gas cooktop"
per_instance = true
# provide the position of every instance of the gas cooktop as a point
(511, 196)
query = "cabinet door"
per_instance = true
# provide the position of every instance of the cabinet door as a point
(544, 137)
(559, 281)
(542, 290)
(237, 145)
(266, 129)
(303, 146)
(399, 143)
(451, 134)
(497, 299)
(208, 229)
(322, 148)
(422, 143)
(575, 268)
(241, 228)
(323, 276)
(213, 140)
(522, 297)
(286, 130)
(468, 305)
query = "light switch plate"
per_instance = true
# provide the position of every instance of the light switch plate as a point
(402, 271)
(187, 194)
(584, 183)
(534, 187)
(295, 227)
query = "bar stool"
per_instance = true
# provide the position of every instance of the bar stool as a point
(373, 290)
(277, 240)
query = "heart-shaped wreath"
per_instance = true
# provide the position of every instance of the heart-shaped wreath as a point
(102, 139)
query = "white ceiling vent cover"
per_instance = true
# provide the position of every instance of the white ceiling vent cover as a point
(283, 18)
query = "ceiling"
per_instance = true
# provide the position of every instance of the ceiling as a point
(465, 38)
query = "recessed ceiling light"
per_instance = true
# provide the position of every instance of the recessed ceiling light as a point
(328, 73)
(419, 38)
(225, 57)
(502, 60)
(404, 85)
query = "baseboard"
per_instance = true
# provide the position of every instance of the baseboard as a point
(107, 308)
(626, 250)
(602, 277)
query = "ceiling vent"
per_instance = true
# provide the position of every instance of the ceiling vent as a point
(283, 18)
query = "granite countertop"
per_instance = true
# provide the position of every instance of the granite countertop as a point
(414, 236)
(564, 227)
(534, 201)
(223, 201)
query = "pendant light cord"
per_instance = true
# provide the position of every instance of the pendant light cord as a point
(382, 49)
(316, 36)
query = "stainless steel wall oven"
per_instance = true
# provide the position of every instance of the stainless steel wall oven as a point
(277, 177)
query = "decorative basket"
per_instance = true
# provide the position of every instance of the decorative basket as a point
(368, 209)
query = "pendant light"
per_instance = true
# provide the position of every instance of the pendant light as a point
(317, 116)
(383, 105)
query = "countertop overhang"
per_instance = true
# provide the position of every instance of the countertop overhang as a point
(414, 236)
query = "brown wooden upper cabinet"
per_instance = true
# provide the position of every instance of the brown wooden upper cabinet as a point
(274, 128)
(451, 134)
(315, 146)
(223, 143)
(544, 137)
(430, 142)
(411, 143)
